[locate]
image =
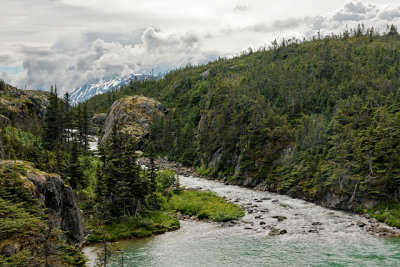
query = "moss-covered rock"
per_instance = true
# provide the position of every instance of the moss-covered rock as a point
(133, 115)
(17, 104)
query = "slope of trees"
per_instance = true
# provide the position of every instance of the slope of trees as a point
(309, 119)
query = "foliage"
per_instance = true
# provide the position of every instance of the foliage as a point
(205, 205)
(167, 182)
(19, 144)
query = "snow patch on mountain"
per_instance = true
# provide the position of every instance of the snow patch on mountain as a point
(89, 90)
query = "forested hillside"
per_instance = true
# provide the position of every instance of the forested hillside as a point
(315, 119)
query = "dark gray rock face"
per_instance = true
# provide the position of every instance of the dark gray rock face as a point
(99, 119)
(60, 200)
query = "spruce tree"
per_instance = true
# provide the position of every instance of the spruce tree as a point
(52, 121)
(85, 128)
(67, 118)
(112, 167)
(75, 172)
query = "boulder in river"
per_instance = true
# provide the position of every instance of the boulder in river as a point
(283, 231)
(279, 218)
(274, 231)
(316, 223)
(179, 216)
(360, 224)
(373, 220)
(367, 216)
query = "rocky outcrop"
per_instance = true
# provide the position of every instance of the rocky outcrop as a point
(17, 104)
(56, 197)
(133, 115)
(97, 122)
(99, 119)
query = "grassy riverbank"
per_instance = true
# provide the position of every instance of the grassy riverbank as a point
(388, 213)
(206, 205)
(145, 225)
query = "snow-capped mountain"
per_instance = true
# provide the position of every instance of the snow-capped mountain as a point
(89, 90)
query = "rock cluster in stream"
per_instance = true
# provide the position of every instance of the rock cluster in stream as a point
(374, 227)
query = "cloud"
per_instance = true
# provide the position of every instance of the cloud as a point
(389, 13)
(5, 60)
(275, 26)
(353, 13)
(96, 60)
(240, 8)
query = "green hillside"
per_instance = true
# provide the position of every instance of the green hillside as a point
(318, 119)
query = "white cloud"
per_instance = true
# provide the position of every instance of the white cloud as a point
(353, 13)
(100, 59)
(240, 8)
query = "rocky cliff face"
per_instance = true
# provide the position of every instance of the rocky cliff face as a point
(56, 197)
(133, 115)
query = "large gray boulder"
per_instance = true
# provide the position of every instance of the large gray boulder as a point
(133, 115)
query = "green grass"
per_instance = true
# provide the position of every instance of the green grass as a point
(147, 224)
(205, 205)
(386, 212)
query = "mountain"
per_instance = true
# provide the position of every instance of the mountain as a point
(89, 90)
(318, 120)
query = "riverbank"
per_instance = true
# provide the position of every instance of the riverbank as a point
(371, 223)
(144, 225)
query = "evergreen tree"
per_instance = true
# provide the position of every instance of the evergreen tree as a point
(393, 30)
(85, 128)
(52, 122)
(68, 118)
(75, 173)
(113, 167)
(2, 85)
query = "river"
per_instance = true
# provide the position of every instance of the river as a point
(336, 240)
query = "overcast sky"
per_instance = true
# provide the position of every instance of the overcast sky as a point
(72, 42)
